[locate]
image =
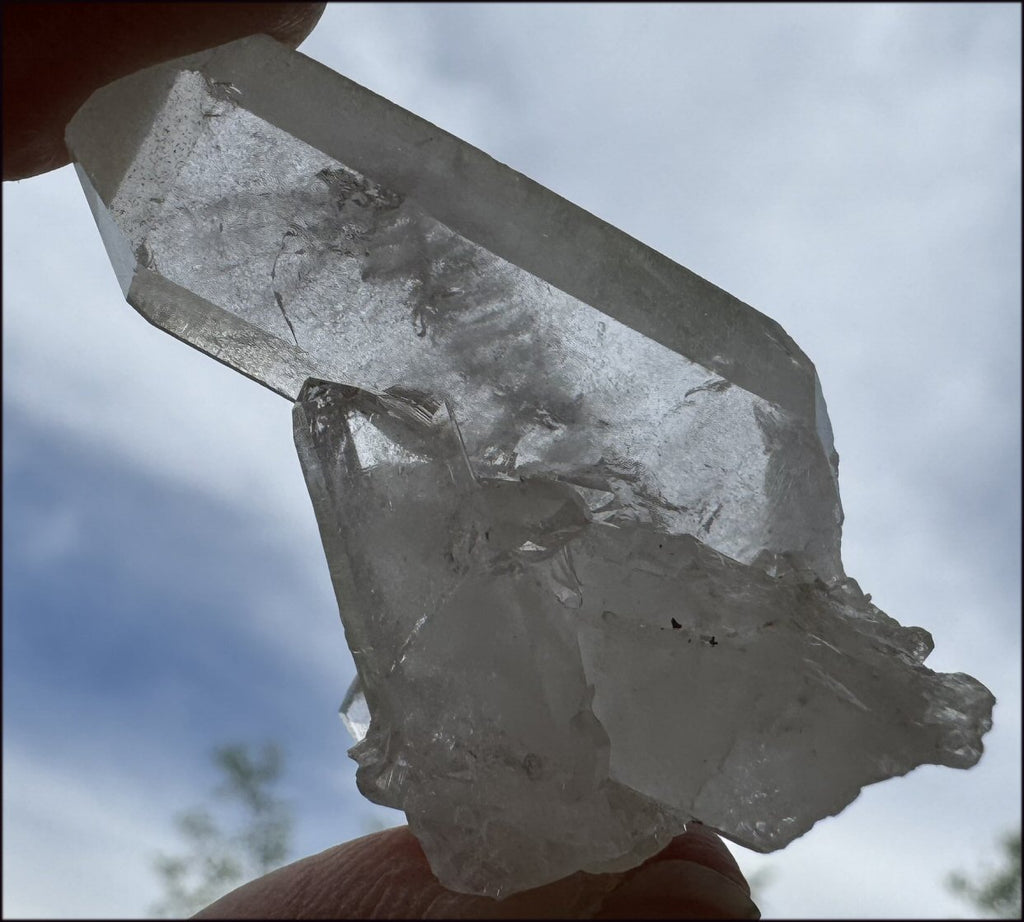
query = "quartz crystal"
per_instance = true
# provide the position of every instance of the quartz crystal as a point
(559, 682)
(580, 506)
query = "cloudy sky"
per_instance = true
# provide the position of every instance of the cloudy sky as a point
(852, 171)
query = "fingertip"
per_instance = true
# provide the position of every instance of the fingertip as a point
(700, 844)
(694, 877)
(386, 875)
(673, 889)
(56, 54)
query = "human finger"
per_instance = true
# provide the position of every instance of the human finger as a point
(386, 875)
(56, 54)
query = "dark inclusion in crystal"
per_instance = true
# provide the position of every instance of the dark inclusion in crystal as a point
(533, 710)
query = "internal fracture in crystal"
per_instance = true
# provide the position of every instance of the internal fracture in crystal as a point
(580, 506)
(558, 685)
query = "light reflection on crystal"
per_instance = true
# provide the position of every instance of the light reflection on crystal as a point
(354, 712)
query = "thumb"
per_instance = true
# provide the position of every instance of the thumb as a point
(386, 875)
(56, 54)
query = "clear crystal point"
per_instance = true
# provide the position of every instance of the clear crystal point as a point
(292, 224)
(354, 711)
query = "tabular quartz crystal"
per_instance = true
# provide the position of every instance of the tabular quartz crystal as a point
(580, 506)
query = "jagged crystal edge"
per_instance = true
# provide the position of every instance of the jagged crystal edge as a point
(552, 689)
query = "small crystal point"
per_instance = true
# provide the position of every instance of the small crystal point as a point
(354, 712)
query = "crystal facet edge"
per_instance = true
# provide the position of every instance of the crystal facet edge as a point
(478, 197)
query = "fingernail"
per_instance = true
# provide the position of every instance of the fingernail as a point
(678, 890)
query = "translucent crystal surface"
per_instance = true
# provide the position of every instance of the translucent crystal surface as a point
(292, 224)
(554, 688)
(610, 598)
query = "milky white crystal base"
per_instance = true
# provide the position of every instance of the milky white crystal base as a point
(555, 684)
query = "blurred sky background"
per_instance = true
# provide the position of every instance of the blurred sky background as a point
(852, 171)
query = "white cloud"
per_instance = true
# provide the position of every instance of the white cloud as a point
(78, 839)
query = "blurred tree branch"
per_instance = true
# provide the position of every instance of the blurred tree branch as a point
(217, 862)
(997, 893)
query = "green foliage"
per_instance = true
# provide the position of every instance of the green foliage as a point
(759, 881)
(217, 861)
(996, 893)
